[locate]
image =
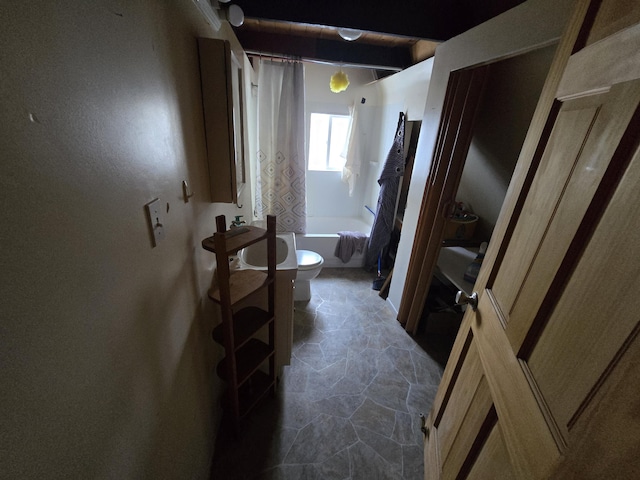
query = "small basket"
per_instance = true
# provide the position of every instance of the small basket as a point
(460, 228)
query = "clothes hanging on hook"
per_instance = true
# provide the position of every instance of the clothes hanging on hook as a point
(389, 182)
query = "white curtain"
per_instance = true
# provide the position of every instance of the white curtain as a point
(280, 182)
(351, 152)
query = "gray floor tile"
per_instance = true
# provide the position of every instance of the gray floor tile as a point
(348, 405)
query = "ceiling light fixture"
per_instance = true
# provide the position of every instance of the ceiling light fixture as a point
(349, 34)
(213, 11)
(234, 14)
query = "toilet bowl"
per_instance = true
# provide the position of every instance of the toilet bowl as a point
(309, 266)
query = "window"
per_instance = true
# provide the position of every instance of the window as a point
(327, 137)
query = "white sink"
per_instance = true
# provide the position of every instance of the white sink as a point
(255, 256)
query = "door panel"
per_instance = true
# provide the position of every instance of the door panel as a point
(555, 169)
(585, 349)
(586, 134)
(449, 423)
(493, 461)
(553, 341)
(530, 439)
(467, 423)
(606, 438)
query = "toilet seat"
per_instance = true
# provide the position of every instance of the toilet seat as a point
(308, 260)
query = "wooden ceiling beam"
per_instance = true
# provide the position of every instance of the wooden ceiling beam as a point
(338, 52)
(436, 20)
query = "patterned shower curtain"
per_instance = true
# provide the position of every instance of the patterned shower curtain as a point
(280, 181)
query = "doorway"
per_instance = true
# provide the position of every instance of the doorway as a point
(487, 113)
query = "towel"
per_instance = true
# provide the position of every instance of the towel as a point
(350, 243)
(351, 152)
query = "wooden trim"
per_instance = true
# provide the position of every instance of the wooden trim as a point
(425, 218)
(432, 464)
(451, 373)
(544, 407)
(487, 426)
(462, 103)
(604, 57)
(534, 454)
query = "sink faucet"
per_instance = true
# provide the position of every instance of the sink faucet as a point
(237, 222)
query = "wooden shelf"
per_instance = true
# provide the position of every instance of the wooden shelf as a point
(248, 358)
(235, 239)
(253, 391)
(244, 354)
(242, 284)
(246, 323)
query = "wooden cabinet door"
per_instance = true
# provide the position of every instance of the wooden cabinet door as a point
(544, 377)
(217, 103)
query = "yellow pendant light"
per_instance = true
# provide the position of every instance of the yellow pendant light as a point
(339, 82)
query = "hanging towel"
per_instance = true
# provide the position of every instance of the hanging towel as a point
(351, 152)
(389, 182)
(350, 243)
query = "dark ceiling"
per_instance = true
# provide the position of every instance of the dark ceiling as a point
(396, 34)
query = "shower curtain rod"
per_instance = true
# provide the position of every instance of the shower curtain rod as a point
(284, 58)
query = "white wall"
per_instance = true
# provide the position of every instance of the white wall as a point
(404, 91)
(407, 90)
(327, 194)
(106, 353)
(531, 25)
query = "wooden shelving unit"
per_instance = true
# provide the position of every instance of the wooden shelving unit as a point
(249, 363)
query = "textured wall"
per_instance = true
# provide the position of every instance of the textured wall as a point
(105, 352)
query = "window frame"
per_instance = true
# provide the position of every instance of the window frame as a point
(330, 132)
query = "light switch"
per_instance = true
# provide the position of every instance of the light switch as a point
(155, 220)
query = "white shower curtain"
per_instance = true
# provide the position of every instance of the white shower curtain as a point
(280, 182)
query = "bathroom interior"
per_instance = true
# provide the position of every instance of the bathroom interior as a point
(90, 150)
(493, 152)
(334, 206)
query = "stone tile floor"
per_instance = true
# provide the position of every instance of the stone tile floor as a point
(348, 406)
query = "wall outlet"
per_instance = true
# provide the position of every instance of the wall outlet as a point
(156, 223)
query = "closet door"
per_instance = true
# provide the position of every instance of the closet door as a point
(544, 375)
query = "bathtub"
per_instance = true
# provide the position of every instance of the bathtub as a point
(322, 237)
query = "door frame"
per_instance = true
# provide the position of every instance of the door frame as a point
(461, 105)
(528, 27)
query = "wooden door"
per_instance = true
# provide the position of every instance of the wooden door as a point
(544, 376)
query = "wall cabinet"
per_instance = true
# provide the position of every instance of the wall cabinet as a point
(223, 106)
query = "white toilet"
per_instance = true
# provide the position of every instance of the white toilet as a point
(309, 266)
